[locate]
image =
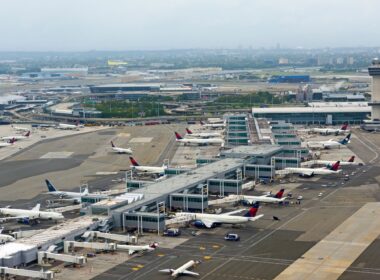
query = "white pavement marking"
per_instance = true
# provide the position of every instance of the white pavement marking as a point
(51, 155)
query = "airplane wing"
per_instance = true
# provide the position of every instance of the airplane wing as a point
(234, 212)
(166, 270)
(207, 223)
(187, 272)
(307, 173)
(256, 218)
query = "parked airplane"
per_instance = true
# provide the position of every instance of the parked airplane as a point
(211, 220)
(308, 172)
(331, 143)
(147, 169)
(66, 126)
(202, 134)
(329, 163)
(29, 215)
(4, 238)
(19, 128)
(213, 125)
(16, 137)
(121, 150)
(139, 248)
(7, 144)
(327, 131)
(198, 141)
(76, 196)
(277, 198)
(182, 270)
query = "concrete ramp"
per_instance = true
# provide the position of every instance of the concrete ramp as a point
(329, 258)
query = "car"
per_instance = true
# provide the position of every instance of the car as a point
(232, 237)
(172, 232)
(320, 194)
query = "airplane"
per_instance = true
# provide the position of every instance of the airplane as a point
(327, 131)
(16, 137)
(4, 238)
(202, 134)
(76, 196)
(19, 128)
(309, 172)
(329, 163)
(277, 198)
(196, 141)
(182, 270)
(213, 125)
(65, 126)
(121, 150)
(29, 215)
(211, 220)
(331, 143)
(139, 248)
(147, 169)
(7, 144)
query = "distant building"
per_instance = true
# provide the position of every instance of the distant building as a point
(283, 61)
(290, 79)
(112, 88)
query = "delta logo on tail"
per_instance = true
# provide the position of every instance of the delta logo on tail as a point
(133, 161)
(344, 126)
(27, 134)
(280, 193)
(178, 136)
(335, 166)
(112, 145)
(188, 131)
(253, 210)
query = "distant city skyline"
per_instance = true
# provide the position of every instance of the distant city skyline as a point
(83, 25)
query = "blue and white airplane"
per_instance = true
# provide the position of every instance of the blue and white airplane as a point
(76, 196)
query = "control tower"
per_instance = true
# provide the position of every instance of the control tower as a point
(374, 72)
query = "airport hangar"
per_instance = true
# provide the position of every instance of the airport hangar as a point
(317, 113)
(189, 191)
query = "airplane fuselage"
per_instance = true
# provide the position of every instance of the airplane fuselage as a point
(31, 214)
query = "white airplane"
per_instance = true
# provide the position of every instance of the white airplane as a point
(330, 143)
(75, 196)
(66, 126)
(182, 270)
(213, 125)
(4, 238)
(327, 131)
(16, 137)
(211, 220)
(29, 215)
(139, 248)
(198, 141)
(19, 128)
(121, 150)
(160, 170)
(308, 172)
(277, 198)
(203, 134)
(329, 163)
(7, 144)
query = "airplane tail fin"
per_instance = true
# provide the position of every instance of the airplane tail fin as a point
(352, 159)
(335, 166)
(112, 145)
(154, 245)
(345, 140)
(202, 123)
(27, 134)
(178, 136)
(133, 161)
(188, 131)
(50, 186)
(344, 126)
(12, 140)
(37, 207)
(280, 193)
(85, 191)
(253, 210)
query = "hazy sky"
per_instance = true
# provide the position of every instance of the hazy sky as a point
(81, 25)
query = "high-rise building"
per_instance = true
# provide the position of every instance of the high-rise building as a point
(374, 71)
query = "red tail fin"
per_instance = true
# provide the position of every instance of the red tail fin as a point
(113, 146)
(352, 159)
(133, 161)
(177, 135)
(280, 193)
(12, 140)
(335, 166)
(202, 123)
(27, 134)
(344, 126)
(189, 131)
(253, 210)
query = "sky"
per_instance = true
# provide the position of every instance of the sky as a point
(83, 25)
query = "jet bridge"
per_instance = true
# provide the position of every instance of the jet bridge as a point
(90, 235)
(6, 271)
(70, 245)
(44, 256)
